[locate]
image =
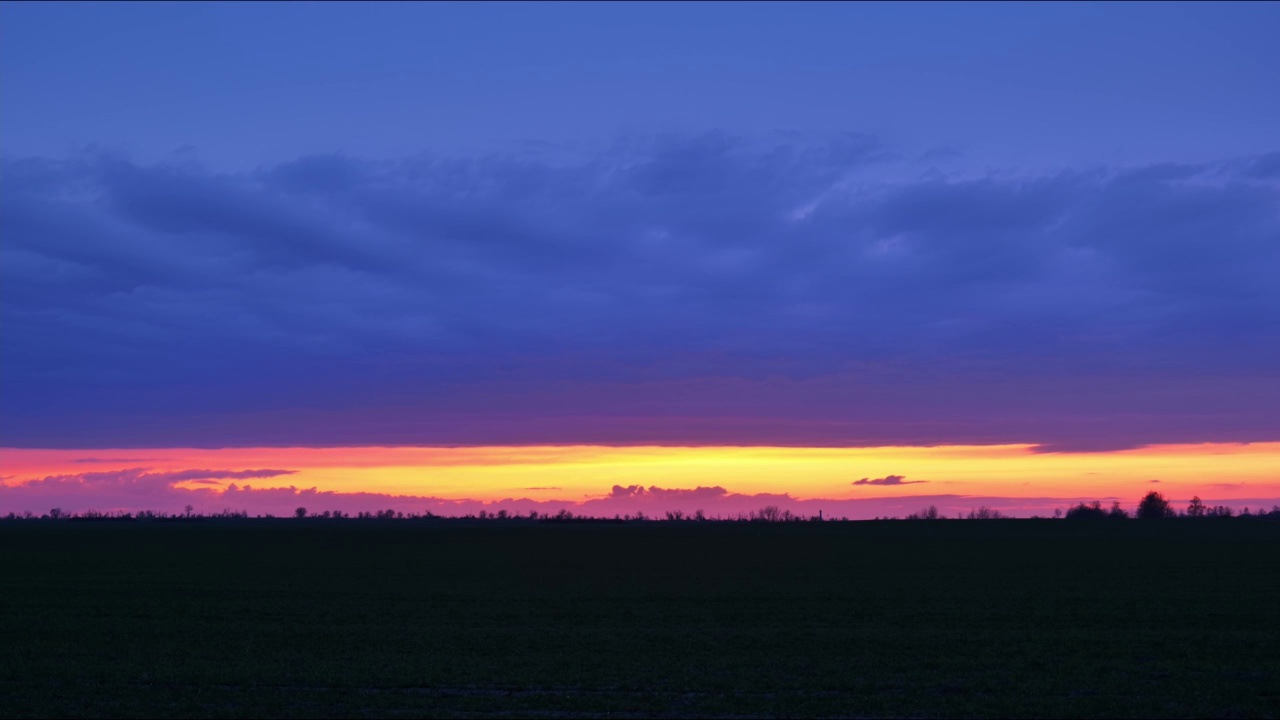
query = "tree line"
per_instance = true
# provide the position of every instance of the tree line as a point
(1152, 506)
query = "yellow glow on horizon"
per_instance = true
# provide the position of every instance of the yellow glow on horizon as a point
(578, 472)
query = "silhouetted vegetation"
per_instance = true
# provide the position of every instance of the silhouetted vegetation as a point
(1197, 509)
(1094, 511)
(1153, 505)
(929, 513)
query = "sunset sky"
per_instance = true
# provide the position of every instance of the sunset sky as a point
(858, 258)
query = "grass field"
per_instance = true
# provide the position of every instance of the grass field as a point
(404, 618)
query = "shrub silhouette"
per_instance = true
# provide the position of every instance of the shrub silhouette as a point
(1153, 506)
(1089, 511)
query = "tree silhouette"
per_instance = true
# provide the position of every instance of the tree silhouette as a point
(929, 513)
(1196, 508)
(1154, 506)
(300, 512)
(769, 513)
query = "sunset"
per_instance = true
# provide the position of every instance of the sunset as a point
(622, 359)
(858, 483)
(395, 273)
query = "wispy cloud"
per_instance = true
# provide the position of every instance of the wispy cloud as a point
(94, 460)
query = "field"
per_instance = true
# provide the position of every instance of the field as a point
(404, 618)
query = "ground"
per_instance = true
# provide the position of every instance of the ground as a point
(951, 618)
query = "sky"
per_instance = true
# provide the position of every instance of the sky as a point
(627, 253)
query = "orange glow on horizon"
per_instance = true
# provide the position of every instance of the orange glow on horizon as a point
(577, 472)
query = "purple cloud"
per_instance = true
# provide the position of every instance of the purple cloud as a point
(655, 493)
(888, 480)
(131, 488)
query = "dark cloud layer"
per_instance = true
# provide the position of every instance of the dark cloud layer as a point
(698, 289)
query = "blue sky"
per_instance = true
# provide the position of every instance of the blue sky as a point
(251, 223)
(1006, 85)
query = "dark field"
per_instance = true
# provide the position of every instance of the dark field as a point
(352, 618)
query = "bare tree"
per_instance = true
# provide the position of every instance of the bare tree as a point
(929, 513)
(769, 513)
(1196, 508)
